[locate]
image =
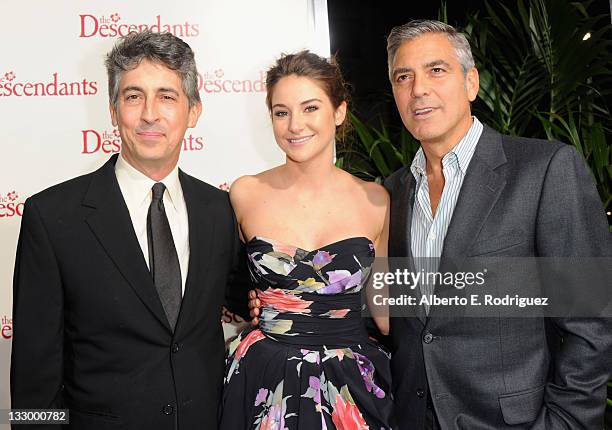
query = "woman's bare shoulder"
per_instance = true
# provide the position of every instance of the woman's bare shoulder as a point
(246, 188)
(242, 186)
(374, 193)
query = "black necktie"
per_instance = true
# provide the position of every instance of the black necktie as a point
(163, 260)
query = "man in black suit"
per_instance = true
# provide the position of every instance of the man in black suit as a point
(120, 274)
(473, 192)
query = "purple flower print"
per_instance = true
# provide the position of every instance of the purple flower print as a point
(366, 368)
(262, 395)
(315, 384)
(321, 259)
(340, 280)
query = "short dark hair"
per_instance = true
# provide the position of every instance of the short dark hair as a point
(164, 48)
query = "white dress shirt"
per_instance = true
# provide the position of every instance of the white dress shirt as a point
(428, 231)
(136, 190)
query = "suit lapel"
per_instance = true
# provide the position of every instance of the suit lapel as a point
(111, 224)
(480, 190)
(200, 243)
(400, 237)
(402, 200)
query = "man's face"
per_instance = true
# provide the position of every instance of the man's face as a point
(152, 114)
(431, 92)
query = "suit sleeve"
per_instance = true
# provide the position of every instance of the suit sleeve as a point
(38, 313)
(239, 283)
(571, 223)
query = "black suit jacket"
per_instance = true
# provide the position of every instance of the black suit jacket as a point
(90, 333)
(520, 198)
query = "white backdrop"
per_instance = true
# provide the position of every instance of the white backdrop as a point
(54, 101)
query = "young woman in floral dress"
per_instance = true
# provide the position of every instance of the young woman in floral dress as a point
(311, 231)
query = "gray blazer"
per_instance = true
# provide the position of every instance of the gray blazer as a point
(520, 198)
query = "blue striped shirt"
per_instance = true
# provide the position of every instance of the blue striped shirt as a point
(428, 231)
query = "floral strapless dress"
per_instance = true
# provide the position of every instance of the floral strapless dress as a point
(310, 364)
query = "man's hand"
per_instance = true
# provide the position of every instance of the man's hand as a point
(254, 305)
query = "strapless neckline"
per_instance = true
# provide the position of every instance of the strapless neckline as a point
(308, 251)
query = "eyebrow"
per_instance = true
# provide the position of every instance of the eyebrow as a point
(434, 63)
(159, 90)
(438, 63)
(303, 103)
(400, 70)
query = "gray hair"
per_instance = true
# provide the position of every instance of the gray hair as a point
(164, 48)
(419, 27)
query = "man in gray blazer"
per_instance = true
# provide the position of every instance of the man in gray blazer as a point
(472, 191)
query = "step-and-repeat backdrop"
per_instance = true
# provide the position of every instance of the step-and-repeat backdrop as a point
(54, 97)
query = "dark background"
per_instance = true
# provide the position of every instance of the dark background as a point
(358, 32)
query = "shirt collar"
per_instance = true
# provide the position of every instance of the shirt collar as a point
(462, 151)
(136, 186)
(418, 164)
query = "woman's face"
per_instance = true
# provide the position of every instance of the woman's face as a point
(303, 118)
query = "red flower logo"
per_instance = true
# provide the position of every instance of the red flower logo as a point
(115, 17)
(12, 196)
(219, 73)
(116, 133)
(9, 76)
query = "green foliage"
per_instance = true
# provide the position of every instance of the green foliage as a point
(539, 78)
(373, 153)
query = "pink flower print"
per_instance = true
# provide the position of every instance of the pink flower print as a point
(219, 73)
(274, 419)
(245, 344)
(115, 17)
(12, 196)
(338, 353)
(116, 133)
(280, 301)
(284, 249)
(338, 313)
(9, 76)
(346, 416)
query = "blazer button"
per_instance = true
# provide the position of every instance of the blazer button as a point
(175, 348)
(428, 338)
(168, 410)
(420, 393)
